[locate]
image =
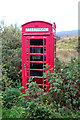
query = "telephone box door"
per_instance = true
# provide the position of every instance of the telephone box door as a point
(36, 57)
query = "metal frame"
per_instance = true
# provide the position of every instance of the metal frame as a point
(47, 56)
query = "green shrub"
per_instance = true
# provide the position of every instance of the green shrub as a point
(14, 112)
(11, 97)
(62, 101)
(64, 84)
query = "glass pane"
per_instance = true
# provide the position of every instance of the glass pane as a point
(44, 57)
(54, 55)
(54, 41)
(54, 48)
(27, 42)
(27, 57)
(27, 73)
(36, 57)
(54, 63)
(36, 50)
(36, 41)
(44, 65)
(38, 80)
(27, 49)
(44, 49)
(27, 79)
(44, 41)
(36, 65)
(27, 65)
(36, 73)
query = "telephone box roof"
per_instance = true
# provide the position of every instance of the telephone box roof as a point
(36, 21)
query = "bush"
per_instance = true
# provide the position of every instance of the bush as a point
(14, 112)
(62, 101)
(64, 85)
(11, 51)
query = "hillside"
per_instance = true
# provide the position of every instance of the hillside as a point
(66, 48)
(63, 34)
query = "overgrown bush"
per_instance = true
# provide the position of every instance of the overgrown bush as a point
(11, 51)
(70, 82)
(62, 101)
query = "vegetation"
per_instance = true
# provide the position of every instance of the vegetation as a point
(62, 101)
(66, 48)
(68, 43)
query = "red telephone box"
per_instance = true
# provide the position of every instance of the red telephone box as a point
(38, 49)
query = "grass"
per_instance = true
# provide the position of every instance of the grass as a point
(66, 48)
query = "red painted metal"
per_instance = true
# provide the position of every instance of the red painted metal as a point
(38, 31)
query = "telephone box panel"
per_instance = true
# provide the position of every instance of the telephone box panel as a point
(38, 49)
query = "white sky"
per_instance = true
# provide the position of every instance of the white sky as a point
(63, 12)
